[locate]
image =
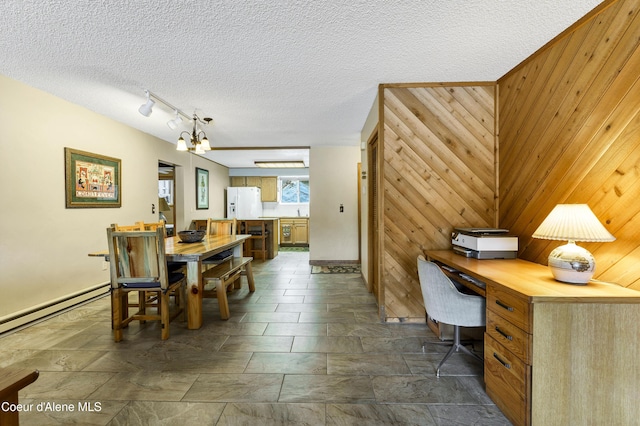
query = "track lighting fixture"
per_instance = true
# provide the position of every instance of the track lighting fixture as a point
(197, 138)
(145, 109)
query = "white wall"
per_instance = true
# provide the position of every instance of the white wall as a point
(333, 180)
(43, 245)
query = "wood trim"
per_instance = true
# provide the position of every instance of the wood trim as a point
(254, 148)
(436, 84)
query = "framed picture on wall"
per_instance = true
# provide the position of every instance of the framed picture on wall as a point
(91, 180)
(202, 189)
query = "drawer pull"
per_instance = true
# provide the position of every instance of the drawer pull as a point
(502, 305)
(505, 364)
(503, 334)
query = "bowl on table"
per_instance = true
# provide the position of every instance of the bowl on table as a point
(191, 236)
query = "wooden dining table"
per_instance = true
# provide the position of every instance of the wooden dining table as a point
(192, 254)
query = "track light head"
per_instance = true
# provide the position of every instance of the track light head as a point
(146, 108)
(173, 124)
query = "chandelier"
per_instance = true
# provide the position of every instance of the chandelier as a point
(198, 138)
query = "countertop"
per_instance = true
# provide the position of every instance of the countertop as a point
(257, 218)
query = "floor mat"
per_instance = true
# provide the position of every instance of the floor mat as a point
(287, 248)
(336, 269)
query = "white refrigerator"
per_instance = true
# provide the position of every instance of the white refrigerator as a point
(244, 202)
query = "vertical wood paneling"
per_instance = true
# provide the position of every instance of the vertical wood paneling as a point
(438, 173)
(570, 133)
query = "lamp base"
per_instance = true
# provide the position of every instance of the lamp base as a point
(572, 264)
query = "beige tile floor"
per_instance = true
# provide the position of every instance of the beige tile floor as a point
(304, 349)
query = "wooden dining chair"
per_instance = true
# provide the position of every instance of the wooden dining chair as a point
(134, 227)
(150, 298)
(152, 226)
(138, 265)
(221, 226)
(142, 226)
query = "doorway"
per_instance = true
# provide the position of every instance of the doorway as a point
(374, 219)
(167, 195)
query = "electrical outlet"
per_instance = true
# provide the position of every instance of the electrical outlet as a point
(105, 265)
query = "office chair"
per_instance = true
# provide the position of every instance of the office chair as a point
(444, 303)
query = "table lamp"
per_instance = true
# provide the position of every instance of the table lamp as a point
(573, 222)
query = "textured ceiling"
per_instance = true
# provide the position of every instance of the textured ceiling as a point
(270, 73)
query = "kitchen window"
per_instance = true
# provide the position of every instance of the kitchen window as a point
(294, 190)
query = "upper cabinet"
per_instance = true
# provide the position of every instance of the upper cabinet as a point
(238, 181)
(254, 181)
(269, 189)
(268, 185)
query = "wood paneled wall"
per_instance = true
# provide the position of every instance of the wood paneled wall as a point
(437, 172)
(570, 133)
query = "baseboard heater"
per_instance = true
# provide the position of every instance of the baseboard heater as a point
(56, 306)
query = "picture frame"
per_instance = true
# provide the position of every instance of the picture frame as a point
(92, 180)
(202, 189)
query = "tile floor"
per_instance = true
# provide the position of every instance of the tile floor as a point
(304, 349)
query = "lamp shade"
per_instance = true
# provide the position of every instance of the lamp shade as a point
(572, 222)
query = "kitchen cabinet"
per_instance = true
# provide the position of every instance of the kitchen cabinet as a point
(253, 181)
(268, 185)
(294, 231)
(238, 181)
(269, 189)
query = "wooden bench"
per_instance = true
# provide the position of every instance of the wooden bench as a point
(11, 381)
(223, 276)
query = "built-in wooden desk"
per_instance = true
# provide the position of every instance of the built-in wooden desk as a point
(555, 353)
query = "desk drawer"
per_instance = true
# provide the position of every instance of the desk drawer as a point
(512, 307)
(511, 337)
(508, 381)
